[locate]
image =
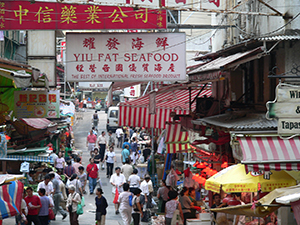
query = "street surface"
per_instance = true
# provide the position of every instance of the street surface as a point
(81, 129)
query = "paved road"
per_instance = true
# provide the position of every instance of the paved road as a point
(81, 129)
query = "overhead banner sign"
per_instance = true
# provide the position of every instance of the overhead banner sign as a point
(37, 104)
(286, 108)
(125, 57)
(33, 15)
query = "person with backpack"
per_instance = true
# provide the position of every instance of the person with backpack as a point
(95, 119)
(125, 200)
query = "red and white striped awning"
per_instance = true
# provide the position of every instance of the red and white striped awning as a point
(270, 153)
(135, 112)
(176, 140)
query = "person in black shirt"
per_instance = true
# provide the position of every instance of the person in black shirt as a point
(101, 205)
(97, 158)
(147, 152)
(217, 201)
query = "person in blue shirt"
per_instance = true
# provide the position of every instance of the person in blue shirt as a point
(126, 143)
(125, 154)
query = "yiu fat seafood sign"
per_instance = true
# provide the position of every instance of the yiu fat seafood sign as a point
(125, 57)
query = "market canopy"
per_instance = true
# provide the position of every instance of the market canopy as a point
(176, 139)
(270, 153)
(234, 179)
(28, 158)
(172, 98)
(263, 206)
(11, 191)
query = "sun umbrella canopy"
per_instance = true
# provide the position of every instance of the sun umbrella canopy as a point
(235, 179)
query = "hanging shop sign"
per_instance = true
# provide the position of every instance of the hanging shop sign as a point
(286, 108)
(36, 104)
(132, 91)
(125, 57)
(33, 15)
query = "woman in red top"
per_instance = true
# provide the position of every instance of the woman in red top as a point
(92, 170)
(91, 141)
(34, 204)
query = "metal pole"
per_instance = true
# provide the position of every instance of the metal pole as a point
(152, 140)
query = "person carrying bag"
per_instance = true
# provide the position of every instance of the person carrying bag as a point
(72, 205)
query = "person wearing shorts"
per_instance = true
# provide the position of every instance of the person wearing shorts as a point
(91, 142)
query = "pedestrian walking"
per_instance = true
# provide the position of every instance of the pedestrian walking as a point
(102, 142)
(171, 206)
(45, 205)
(101, 205)
(137, 209)
(57, 195)
(60, 161)
(91, 142)
(75, 181)
(127, 169)
(134, 146)
(125, 208)
(126, 143)
(72, 202)
(146, 195)
(77, 164)
(111, 139)
(134, 181)
(83, 178)
(21, 217)
(97, 158)
(47, 185)
(125, 154)
(162, 195)
(33, 203)
(119, 135)
(117, 180)
(110, 158)
(92, 171)
(95, 119)
(69, 170)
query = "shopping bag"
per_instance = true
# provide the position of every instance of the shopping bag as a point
(176, 219)
(79, 209)
(82, 202)
(51, 214)
(116, 196)
(146, 216)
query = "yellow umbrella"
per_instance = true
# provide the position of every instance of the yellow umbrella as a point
(235, 179)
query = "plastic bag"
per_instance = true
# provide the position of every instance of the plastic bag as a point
(130, 197)
(82, 201)
(172, 179)
(79, 209)
(116, 196)
(51, 214)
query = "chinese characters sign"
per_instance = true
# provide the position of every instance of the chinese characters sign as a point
(125, 57)
(25, 15)
(37, 104)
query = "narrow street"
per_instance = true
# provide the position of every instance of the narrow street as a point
(81, 129)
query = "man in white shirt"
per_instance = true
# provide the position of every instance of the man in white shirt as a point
(102, 142)
(134, 181)
(119, 134)
(127, 169)
(117, 180)
(147, 189)
(47, 185)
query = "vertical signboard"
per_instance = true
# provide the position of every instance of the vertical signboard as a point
(36, 104)
(132, 91)
(286, 108)
(125, 57)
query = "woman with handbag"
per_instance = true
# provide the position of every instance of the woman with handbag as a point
(171, 206)
(72, 202)
(125, 207)
(101, 205)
